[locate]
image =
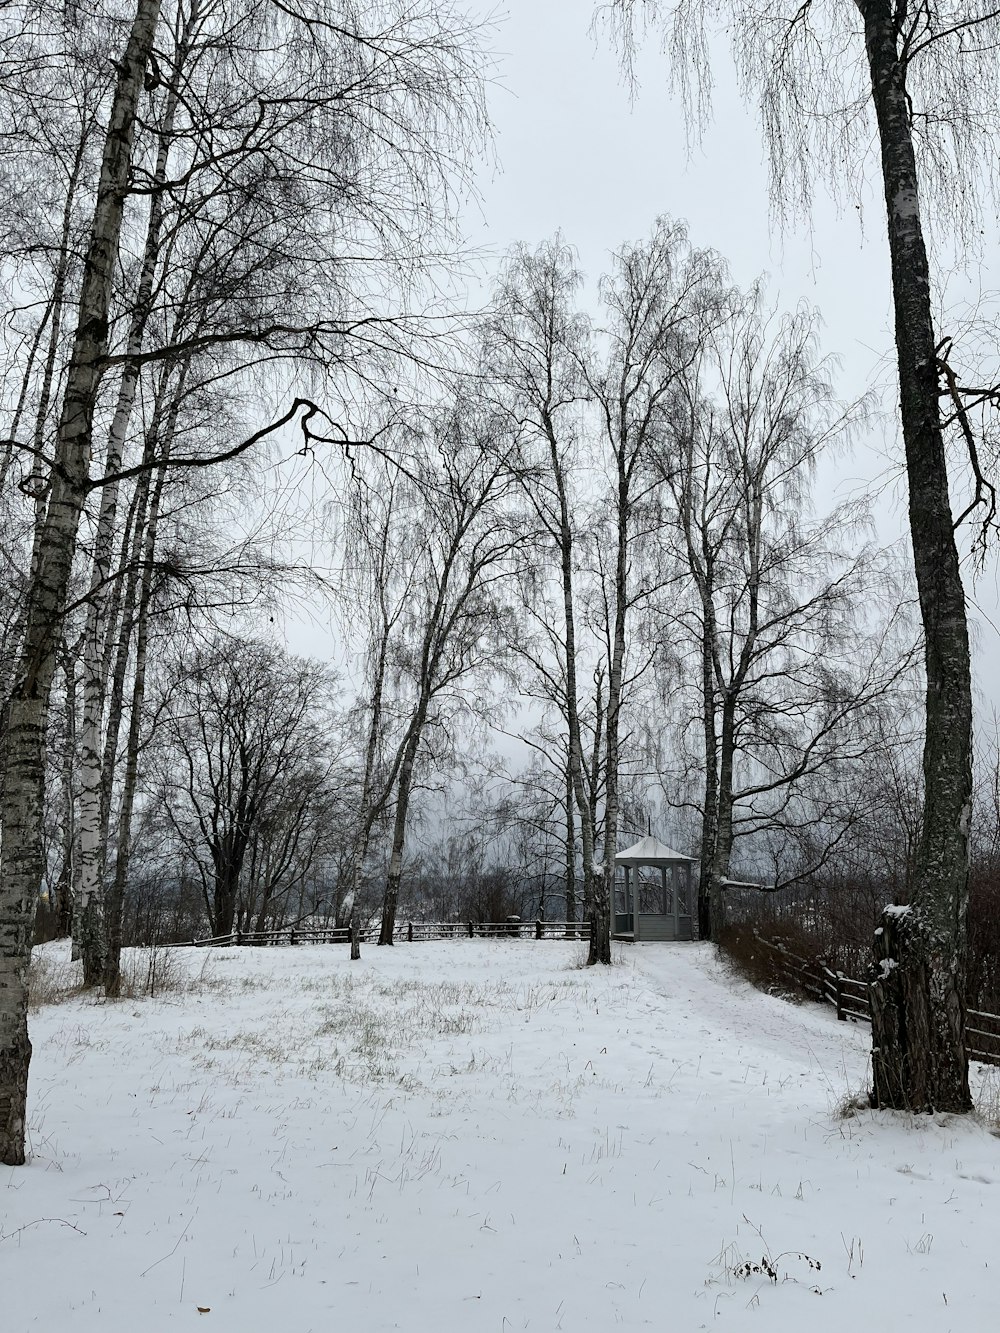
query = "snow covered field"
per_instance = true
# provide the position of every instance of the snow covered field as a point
(469, 1137)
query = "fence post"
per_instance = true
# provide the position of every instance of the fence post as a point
(237, 936)
(409, 932)
(839, 987)
(291, 937)
(471, 931)
(539, 930)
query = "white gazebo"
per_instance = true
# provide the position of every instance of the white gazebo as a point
(653, 893)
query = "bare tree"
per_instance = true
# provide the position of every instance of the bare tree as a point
(246, 751)
(790, 667)
(333, 139)
(931, 87)
(535, 345)
(463, 542)
(27, 710)
(662, 299)
(376, 585)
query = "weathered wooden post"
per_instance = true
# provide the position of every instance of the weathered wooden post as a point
(471, 931)
(409, 932)
(539, 930)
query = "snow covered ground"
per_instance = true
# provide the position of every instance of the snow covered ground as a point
(472, 1137)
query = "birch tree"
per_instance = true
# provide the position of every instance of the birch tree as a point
(789, 664)
(377, 584)
(346, 170)
(924, 81)
(535, 348)
(662, 299)
(27, 710)
(452, 631)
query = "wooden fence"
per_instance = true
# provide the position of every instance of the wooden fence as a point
(851, 999)
(413, 932)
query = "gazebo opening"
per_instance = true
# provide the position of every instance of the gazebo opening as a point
(652, 893)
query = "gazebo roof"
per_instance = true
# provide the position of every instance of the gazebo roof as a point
(650, 852)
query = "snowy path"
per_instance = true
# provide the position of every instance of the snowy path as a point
(476, 1138)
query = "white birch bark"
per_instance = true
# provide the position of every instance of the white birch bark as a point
(116, 897)
(23, 751)
(92, 935)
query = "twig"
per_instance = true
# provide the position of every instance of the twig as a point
(174, 1250)
(58, 1221)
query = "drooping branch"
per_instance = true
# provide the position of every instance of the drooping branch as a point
(985, 492)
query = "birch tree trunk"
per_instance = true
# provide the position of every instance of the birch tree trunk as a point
(369, 808)
(722, 844)
(570, 851)
(21, 864)
(710, 795)
(64, 887)
(594, 785)
(116, 897)
(576, 780)
(139, 544)
(600, 937)
(395, 873)
(92, 848)
(918, 1004)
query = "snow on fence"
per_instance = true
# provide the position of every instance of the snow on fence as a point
(850, 998)
(411, 931)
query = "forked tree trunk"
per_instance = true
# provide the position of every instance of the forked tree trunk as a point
(390, 900)
(21, 866)
(141, 532)
(577, 786)
(918, 1030)
(370, 808)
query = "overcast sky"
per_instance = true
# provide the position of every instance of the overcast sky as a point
(575, 151)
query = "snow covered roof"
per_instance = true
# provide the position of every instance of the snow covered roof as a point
(650, 851)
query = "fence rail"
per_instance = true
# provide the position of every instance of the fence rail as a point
(413, 932)
(852, 1001)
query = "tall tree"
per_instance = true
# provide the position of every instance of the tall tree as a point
(789, 670)
(464, 541)
(931, 79)
(27, 709)
(376, 585)
(328, 139)
(662, 298)
(535, 346)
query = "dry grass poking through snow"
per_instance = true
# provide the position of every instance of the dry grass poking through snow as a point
(478, 1137)
(53, 978)
(362, 1027)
